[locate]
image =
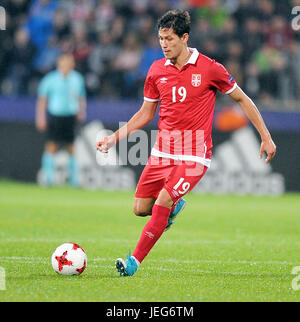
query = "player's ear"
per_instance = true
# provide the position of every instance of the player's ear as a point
(185, 37)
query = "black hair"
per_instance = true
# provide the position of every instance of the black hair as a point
(178, 20)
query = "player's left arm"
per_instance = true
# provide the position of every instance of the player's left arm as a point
(252, 112)
(81, 116)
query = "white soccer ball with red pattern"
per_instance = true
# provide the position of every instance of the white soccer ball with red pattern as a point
(69, 259)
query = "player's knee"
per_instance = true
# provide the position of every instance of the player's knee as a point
(51, 147)
(164, 199)
(141, 210)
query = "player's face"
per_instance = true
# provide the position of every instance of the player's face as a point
(66, 64)
(171, 44)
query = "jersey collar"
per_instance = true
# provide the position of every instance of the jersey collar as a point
(192, 59)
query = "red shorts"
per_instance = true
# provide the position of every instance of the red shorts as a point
(176, 176)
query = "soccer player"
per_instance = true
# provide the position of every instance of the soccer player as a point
(185, 82)
(62, 94)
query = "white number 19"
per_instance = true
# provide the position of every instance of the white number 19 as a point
(184, 185)
(181, 93)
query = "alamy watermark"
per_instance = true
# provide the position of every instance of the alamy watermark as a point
(296, 20)
(296, 280)
(175, 146)
(2, 18)
(2, 279)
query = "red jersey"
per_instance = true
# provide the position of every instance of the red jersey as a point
(187, 99)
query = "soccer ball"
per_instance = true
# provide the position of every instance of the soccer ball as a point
(69, 259)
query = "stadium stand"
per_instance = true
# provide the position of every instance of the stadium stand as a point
(115, 41)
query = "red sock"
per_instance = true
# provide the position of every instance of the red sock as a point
(152, 231)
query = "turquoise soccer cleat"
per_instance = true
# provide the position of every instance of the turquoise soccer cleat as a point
(128, 267)
(179, 207)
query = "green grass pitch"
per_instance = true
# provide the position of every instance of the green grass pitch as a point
(222, 248)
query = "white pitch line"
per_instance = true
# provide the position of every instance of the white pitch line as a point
(173, 269)
(173, 261)
(167, 242)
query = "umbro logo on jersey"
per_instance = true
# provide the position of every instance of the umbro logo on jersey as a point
(196, 80)
(163, 80)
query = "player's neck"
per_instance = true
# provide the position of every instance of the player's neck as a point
(64, 73)
(182, 59)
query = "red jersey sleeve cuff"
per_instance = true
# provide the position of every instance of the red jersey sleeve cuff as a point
(151, 99)
(231, 89)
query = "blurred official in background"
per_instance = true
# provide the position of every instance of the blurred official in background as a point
(60, 106)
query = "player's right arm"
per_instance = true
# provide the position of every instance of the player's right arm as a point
(138, 121)
(41, 105)
(40, 115)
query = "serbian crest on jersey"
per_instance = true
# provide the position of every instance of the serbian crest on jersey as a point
(196, 80)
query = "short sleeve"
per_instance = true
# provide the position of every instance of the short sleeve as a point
(221, 79)
(44, 87)
(151, 92)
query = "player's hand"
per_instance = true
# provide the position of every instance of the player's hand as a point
(41, 124)
(269, 147)
(104, 144)
(81, 116)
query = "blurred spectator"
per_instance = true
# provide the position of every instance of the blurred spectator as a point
(81, 11)
(234, 51)
(251, 37)
(278, 34)
(115, 41)
(16, 9)
(126, 64)
(146, 28)
(293, 68)
(245, 11)
(159, 7)
(99, 63)
(22, 53)
(212, 50)
(118, 29)
(150, 53)
(215, 12)
(202, 33)
(40, 21)
(47, 57)
(251, 82)
(104, 14)
(228, 32)
(140, 7)
(61, 27)
(271, 66)
(265, 13)
(81, 47)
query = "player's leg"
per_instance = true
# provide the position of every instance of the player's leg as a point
(150, 234)
(182, 179)
(48, 163)
(143, 206)
(155, 227)
(51, 147)
(150, 184)
(180, 183)
(175, 211)
(68, 136)
(72, 166)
